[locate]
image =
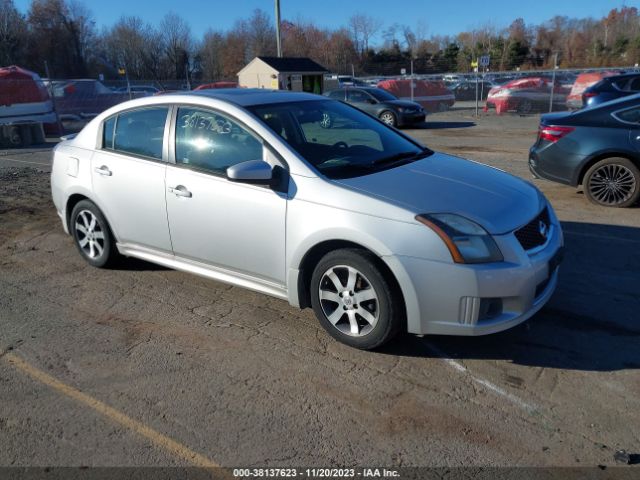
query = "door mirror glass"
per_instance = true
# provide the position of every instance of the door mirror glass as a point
(254, 171)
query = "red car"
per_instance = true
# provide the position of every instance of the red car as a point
(208, 86)
(25, 100)
(584, 81)
(84, 99)
(432, 95)
(527, 95)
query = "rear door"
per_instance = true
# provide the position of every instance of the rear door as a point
(128, 174)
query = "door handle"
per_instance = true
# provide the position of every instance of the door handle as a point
(180, 191)
(103, 170)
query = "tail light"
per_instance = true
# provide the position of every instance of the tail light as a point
(553, 133)
(589, 94)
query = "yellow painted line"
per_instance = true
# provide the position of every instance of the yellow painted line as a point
(154, 436)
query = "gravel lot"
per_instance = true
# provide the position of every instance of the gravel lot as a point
(237, 378)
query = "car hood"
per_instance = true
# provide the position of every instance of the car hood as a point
(403, 103)
(442, 183)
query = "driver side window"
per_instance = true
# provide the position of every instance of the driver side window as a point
(207, 140)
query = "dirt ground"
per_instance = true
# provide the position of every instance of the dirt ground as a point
(141, 365)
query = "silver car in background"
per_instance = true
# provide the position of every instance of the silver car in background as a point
(358, 221)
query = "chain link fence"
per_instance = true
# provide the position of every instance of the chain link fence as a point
(62, 106)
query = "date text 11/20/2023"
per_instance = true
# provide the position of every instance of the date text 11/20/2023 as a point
(315, 472)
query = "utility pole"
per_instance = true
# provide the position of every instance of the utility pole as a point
(278, 40)
(411, 78)
(553, 80)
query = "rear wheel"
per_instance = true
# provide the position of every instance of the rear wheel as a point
(612, 182)
(389, 118)
(92, 235)
(353, 300)
(525, 107)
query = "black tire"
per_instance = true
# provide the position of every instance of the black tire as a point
(97, 246)
(388, 117)
(387, 305)
(525, 107)
(612, 182)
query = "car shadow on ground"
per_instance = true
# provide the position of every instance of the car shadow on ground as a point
(136, 265)
(592, 323)
(431, 125)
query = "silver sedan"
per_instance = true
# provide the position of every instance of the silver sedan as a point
(375, 232)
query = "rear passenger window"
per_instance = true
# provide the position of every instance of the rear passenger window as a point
(634, 85)
(631, 115)
(107, 133)
(140, 132)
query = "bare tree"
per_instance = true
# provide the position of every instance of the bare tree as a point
(13, 34)
(178, 43)
(210, 55)
(363, 28)
(53, 28)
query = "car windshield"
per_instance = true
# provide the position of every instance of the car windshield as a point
(338, 140)
(382, 96)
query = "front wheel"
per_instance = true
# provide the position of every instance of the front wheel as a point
(389, 118)
(353, 300)
(613, 182)
(326, 121)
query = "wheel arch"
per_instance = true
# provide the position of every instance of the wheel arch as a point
(73, 200)
(319, 250)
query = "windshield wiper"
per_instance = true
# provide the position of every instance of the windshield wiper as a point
(402, 157)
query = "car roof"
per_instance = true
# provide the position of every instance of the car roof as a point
(621, 76)
(618, 103)
(246, 97)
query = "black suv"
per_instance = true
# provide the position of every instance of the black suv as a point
(610, 88)
(381, 104)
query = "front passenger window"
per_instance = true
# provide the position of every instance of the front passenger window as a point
(210, 141)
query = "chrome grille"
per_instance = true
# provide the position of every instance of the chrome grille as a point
(533, 234)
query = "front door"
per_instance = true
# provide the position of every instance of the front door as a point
(362, 100)
(234, 226)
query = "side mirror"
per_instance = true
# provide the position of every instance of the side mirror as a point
(256, 172)
(372, 101)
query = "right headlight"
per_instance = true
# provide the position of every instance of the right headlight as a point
(467, 241)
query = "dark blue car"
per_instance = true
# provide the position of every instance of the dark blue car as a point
(597, 147)
(611, 88)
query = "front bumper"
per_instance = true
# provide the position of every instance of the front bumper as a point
(553, 163)
(411, 118)
(452, 299)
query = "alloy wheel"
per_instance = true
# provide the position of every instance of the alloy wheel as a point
(388, 118)
(349, 301)
(89, 234)
(612, 184)
(326, 120)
